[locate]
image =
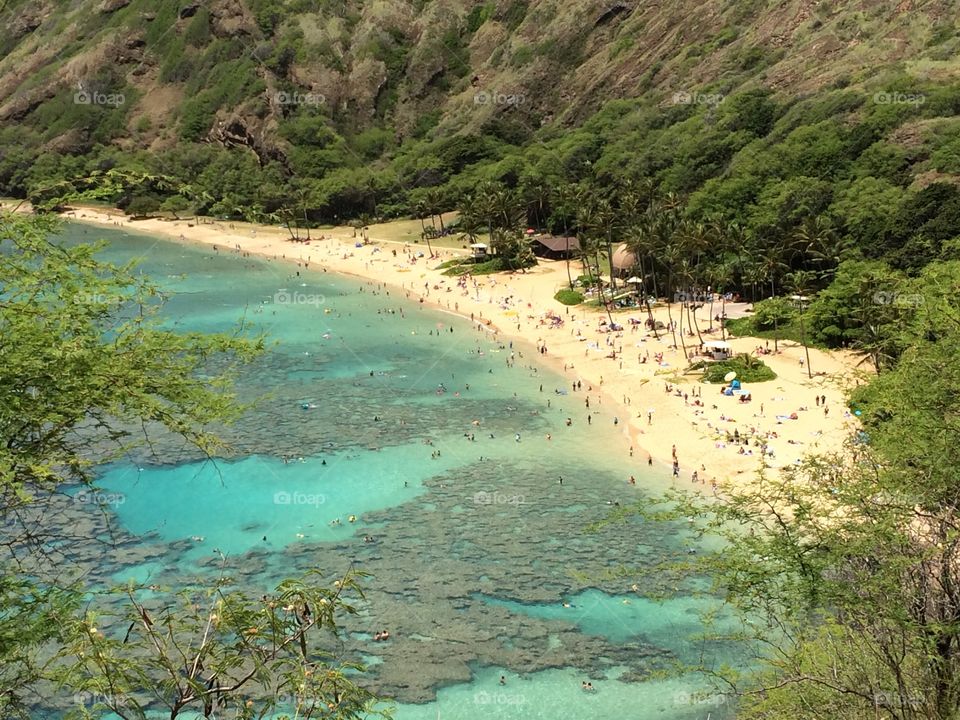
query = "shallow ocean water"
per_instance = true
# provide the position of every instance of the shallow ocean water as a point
(482, 565)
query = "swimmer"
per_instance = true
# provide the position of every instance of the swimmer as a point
(517, 437)
(503, 680)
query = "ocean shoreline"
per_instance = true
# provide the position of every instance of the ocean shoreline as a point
(697, 447)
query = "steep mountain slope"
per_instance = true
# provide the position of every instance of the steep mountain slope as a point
(228, 71)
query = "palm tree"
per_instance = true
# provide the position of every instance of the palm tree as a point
(470, 222)
(641, 241)
(800, 283)
(567, 199)
(817, 243)
(671, 258)
(605, 224)
(592, 219)
(538, 197)
(770, 267)
(485, 204)
(685, 271)
(720, 275)
(435, 201)
(421, 210)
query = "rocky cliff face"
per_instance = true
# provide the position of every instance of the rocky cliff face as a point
(228, 71)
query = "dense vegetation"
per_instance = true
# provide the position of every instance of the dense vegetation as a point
(834, 205)
(853, 186)
(90, 374)
(846, 566)
(748, 369)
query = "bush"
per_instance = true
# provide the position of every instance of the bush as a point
(748, 369)
(469, 265)
(569, 297)
(768, 314)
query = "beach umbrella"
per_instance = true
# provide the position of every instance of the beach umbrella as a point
(729, 376)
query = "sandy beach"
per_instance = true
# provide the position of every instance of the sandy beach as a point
(619, 386)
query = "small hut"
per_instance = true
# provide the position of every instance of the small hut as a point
(479, 251)
(553, 247)
(718, 349)
(624, 261)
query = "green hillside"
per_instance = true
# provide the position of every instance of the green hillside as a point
(356, 108)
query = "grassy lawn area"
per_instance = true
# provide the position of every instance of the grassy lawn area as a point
(746, 326)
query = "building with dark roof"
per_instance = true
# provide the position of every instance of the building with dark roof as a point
(553, 247)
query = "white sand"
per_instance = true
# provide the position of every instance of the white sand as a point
(621, 388)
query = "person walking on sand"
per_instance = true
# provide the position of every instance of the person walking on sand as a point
(650, 416)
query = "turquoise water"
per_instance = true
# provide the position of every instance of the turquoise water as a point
(626, 617)
(365, 405)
